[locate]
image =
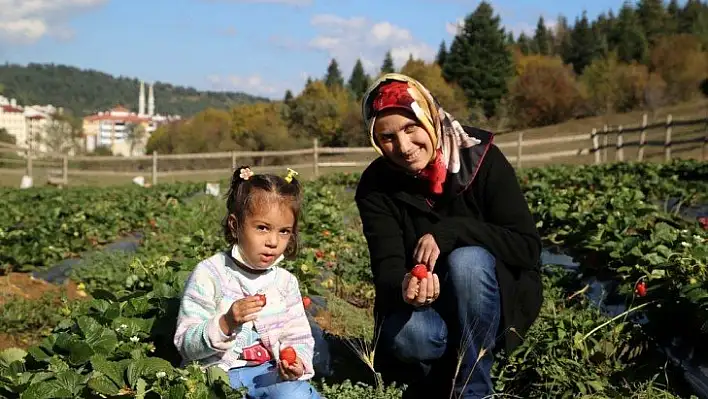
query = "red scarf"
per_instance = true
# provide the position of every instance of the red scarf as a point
(435, 174)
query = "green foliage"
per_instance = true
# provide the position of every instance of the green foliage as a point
(63, 224)
(119, 342)
(85, 91)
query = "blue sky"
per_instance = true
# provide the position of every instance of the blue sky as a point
(261, 47)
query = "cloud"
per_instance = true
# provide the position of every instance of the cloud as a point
(347, 39)
(26, 21)
(252, 84)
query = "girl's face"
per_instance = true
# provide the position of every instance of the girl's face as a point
(403, 140)
(265, 233)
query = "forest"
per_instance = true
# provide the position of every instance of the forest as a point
(83, 91)
(642, 56)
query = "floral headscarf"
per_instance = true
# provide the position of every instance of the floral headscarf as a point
(451, 141)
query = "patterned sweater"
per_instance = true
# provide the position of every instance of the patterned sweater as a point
(212, 287)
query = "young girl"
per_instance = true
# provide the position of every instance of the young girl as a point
(239, 309)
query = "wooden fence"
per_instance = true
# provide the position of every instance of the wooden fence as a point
(518, 150)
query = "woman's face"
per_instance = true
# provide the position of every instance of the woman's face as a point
(403, 140)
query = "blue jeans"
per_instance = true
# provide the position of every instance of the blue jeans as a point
(464, 320)
(263, 381)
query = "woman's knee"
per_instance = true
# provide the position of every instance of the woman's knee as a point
(472, 267)
(420, 335)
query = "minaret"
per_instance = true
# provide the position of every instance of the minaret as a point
(141, 99)
(151, 101)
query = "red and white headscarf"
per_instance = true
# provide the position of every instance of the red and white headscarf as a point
(449, 139)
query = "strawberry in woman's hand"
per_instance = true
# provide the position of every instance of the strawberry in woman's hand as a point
(420, 271)
(641, 288)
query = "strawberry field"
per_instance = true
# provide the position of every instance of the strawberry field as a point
(625, 316)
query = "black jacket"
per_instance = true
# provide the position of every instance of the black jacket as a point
(492, 212)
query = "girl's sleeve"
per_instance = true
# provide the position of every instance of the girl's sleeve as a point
(198, 333)
(296, 331)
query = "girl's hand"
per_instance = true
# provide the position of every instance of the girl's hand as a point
(427, 251)
(290, 372)
(420, 292)
(241, 311)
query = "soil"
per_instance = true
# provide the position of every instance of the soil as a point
(16, 286)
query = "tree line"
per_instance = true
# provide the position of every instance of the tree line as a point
(646, 55)
(83, 92)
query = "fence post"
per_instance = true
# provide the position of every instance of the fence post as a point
(642, 139)
(29, 163)
(154, 168)
(595, 145)
(65, 169)
(315, 158)
(233, 161)
(519, 146)
(667, 140)
(619, 154)
(605, 141)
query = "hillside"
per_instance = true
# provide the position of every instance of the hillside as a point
(84, 91)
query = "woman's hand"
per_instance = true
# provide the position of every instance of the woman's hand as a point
(290, 372)
(420, 292)
(427, 251)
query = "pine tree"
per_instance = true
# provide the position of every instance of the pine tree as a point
(628, 37)
(288, 96)
(693, 19)
(653, 18)
(584, 45)
(334, 75)
(542, 38)
(561, 37)
(479, 60)
(525, 44)
(358, 81)
(442, 54)
(387, 66)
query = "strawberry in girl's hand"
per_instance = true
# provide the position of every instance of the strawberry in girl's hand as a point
(288, 354)
(641, 288)
(420, 271)
(262, 297)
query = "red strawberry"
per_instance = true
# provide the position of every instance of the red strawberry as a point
(641, 288)
(306, 301)
(703, 221)
(319, 254)
(262, 297)
(288, 354)
(420, 271)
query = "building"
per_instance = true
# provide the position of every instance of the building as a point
(112, 129)
(26, 124)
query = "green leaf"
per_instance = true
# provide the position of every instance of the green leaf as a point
(101, 339)
(113, 370)
(10, 355)
(103, 385)
(79, 352)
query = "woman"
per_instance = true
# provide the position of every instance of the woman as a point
(444, 196)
